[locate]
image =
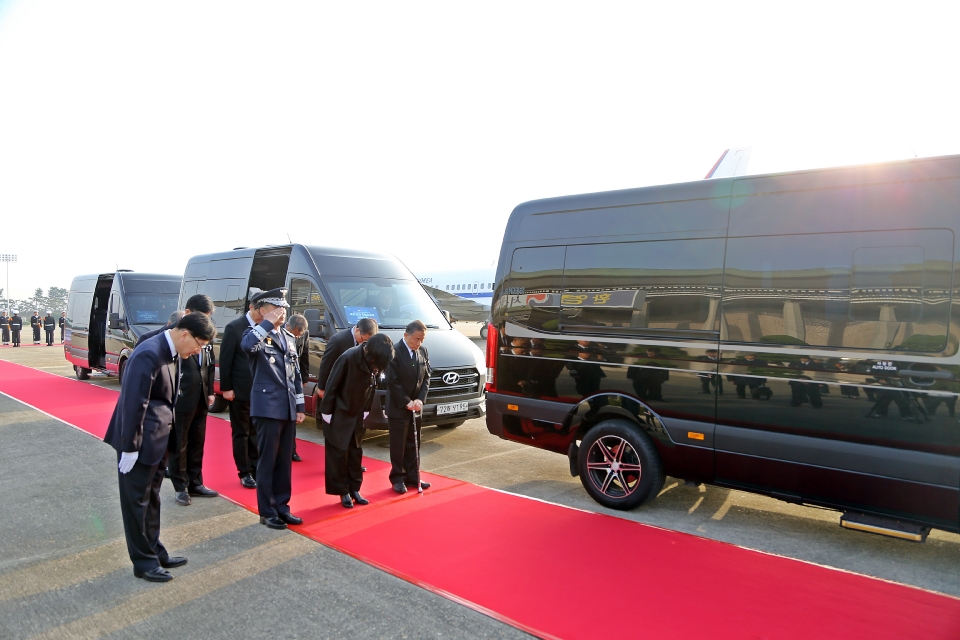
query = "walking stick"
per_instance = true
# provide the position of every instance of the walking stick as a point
(416, 439)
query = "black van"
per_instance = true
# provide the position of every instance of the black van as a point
(784, 334)
(107, 312)
(333, 289)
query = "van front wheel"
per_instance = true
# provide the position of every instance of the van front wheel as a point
(82, 374)
(619, 465)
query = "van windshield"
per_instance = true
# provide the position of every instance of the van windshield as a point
(150, 308)
(392, 303)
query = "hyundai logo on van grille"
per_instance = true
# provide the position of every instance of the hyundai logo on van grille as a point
(451, 377)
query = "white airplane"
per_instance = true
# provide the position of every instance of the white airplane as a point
(468, 294)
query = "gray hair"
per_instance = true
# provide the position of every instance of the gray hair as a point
(297, 321)
(175, 317)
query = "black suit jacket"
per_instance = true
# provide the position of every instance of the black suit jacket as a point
(150, 334)
(303, 355)
(144, 413)
(196, 381)
(350, 390)
(336, 346)
(234, 362)
(406, 380)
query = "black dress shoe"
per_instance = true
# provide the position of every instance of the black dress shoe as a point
(273, 523)
(247, 482)
(157, 574)
(202, 492)
(166, 472)
(423, 485)
(289, 518)
(359, 499)
(296, 457)
(399, 488)
(346, 501)
(184, 498)
(173, 561)
(363, 469)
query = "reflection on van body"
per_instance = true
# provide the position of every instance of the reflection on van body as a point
(334, 288)
(788, 334)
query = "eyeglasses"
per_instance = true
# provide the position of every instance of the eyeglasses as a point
(199, 346)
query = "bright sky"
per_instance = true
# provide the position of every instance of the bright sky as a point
(139, 134)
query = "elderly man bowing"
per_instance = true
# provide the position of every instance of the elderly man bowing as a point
(140, 432)
(408, 381)
(276, 405)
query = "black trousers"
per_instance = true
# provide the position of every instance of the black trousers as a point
(404, 450)
(245, 450)
(16, 338)
(6, 333)
(186, 461)
(274, 488)
(342, 473)
(140, 508)
(36, 334)
(61, 334)
(49, 333)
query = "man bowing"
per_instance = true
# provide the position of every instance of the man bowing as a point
(408, 381)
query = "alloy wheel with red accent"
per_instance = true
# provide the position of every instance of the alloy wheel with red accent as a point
(619, 466)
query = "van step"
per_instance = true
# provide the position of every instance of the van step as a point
(885, 526)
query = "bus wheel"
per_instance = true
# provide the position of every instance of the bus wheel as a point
(218, 405)
(483, 331)
(619, 465)
(82, 374)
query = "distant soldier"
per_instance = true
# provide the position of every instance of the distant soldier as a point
(63, 323)
(35, 324)
(16, 324)
(5, 327)
(49, 327)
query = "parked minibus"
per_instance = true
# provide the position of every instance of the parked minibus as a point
(333, 289)
(107, 312)
(788, 334)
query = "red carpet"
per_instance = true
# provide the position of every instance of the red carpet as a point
(553, 571)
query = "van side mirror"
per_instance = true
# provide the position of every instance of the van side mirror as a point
(328, 330)
(313, 322)
(114, 320)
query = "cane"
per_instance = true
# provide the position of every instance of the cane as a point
(416, 439)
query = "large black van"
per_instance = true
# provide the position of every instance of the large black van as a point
(788, 334)
(333, 289)
(107, 312)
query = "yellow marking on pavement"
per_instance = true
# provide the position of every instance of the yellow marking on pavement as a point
(695, 505)
(65, 571)
(160, 598)
(665, 489)
(722, 511)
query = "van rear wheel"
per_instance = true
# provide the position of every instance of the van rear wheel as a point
(619, 465)
(82, 374)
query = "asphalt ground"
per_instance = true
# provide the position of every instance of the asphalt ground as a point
(64, 571)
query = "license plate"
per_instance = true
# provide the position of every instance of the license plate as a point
(453, 407)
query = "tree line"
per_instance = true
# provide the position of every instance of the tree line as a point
(55, 300)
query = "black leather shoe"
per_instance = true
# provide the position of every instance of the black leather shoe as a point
(173, 561)
(289, 518)
(247, 482)
(346, 501)
(297, 458)
(166, 472)
(202, 492)
(363, 469)
(359, 499)
(273, 523)
(423, 485)
(158, 574)
(184, 498)
(399, 488)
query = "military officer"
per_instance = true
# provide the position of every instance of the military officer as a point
(63, 323)
(49, 327)
(16, 324)
(276, 405)
(35, 324)
(5, 327)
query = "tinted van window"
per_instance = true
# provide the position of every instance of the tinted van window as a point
(534, 287)
(633, 287)
(869, 290)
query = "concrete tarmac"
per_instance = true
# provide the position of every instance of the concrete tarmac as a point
(64, 517)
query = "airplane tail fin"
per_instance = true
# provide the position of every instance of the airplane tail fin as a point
(732, 162)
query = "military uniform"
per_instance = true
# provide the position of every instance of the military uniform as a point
(35, 324)
(5, 328)
(16, 324)
(276, 397)
(63, 325)
(49, 327)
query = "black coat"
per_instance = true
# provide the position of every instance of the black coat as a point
(49, 323)
(336, 345)
(36, 322)
(196, 381)
(16, 323)
(150, 334)
(144, 412)
(303, 355)
(350, 390)
(406, 380)
(234, 362)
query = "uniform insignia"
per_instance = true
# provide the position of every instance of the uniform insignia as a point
(272, 360)
(269, 340)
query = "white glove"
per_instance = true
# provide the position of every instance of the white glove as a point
(365, 414)
(326, 417)
(127, 460)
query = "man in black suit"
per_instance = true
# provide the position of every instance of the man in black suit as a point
(351, 387)
(35, 324)
(297, 325)
(140, 432)
(235, 385)
(49, 327)
(276, 405)
(16, 324)
(63, 323)
(408, 381)
(346, 339)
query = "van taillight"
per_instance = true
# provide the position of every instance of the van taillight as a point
(492, 343)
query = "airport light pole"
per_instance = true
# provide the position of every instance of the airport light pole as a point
(8, 258)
